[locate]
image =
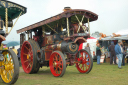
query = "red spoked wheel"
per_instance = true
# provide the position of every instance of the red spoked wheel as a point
(27, 57)
(57, 64)
(85, 62)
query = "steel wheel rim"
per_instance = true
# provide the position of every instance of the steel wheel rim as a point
(27, 57)
(8, 71)
(84, 62)
(56, 64)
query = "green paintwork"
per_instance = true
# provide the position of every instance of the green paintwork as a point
(13, 9)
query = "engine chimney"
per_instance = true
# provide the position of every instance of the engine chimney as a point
(67, 8)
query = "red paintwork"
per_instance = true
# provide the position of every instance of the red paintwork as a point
(56, 58)
(91, 38)
(82, 66)
(35, 38)
(80, 40)
(26, 50)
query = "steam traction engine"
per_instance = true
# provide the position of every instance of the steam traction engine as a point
(9, 65)
(54, 42)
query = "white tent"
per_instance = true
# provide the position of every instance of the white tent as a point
(122, 32)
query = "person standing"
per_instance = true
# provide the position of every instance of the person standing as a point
(15, 51)
(98, 53)
(119, 51)
(124, 54)
(88, 48)
(112, 53)
(18, 55)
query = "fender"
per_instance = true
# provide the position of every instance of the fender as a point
(80, 40)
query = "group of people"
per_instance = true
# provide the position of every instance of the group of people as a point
(115, 50)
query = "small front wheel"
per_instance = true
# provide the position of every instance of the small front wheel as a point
(57, 64)
(85, 62)
(10, 72)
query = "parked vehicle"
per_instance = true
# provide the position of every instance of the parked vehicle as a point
(9, 66)
(56, 41)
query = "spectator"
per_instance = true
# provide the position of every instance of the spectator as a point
(119, 51)
(98, 53)
(13, 48)
(112, 53)
(124, 54)
(18, 55)
(88, 48)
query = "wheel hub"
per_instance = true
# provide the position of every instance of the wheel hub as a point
(56, 64)
(28, 56)
(83, 61)
(8, 66)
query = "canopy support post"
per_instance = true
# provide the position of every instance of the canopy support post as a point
(15, 22)
(6, 19)
(88, 25)
(43, 30)
(68, 27)
(51, 28)
(28, 34)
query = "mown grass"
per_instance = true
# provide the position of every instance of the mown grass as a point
(104, 74)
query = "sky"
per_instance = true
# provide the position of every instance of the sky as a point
(112, 14)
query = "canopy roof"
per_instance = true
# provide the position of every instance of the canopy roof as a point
(13, 9)
(60, 19)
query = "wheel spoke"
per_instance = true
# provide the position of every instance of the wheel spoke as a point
(56, 57)
(79, 64)
(26, 61)
(56, 69)
(25, 54)
(83, 67)
(26, 48)
(59, 67)
(27, 66)
(10, 76)
(12, 71)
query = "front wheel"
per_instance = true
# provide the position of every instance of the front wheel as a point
(57, 64)
(10, 70)
(85, 62)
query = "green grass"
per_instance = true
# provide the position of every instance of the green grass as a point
(104, 74)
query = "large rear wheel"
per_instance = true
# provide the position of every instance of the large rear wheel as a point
(29, 57)
(57, 64)
(85, 62)
(10, 70)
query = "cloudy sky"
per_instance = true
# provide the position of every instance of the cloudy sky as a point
(113, 14)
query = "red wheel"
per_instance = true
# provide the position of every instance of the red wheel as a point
(27, 57)
(85, 61)
(36, 47)
(57, 64)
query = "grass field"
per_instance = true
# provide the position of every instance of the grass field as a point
(104, 74)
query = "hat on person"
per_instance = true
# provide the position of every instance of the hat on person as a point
(119, 41)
